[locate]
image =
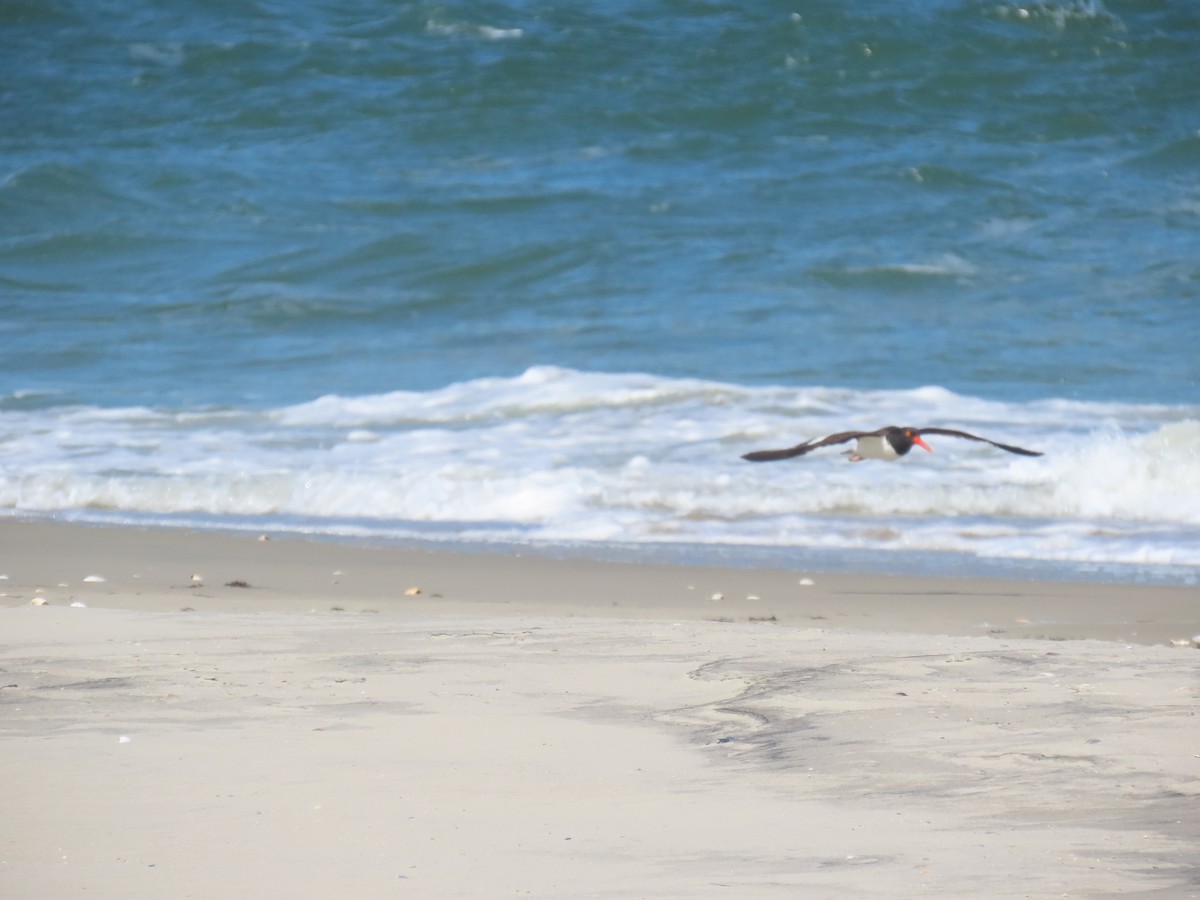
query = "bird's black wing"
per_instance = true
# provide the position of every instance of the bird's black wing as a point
(950, 432)
(801, 449)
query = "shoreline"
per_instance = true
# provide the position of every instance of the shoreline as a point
(153, 569)
(801, 559)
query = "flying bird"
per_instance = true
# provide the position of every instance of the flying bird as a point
(888, 443)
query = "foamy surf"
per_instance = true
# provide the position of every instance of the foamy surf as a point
(558, 456)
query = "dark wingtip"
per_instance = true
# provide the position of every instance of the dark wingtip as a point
(776, 455)
(1020, 450)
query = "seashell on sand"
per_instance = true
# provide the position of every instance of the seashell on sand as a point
(807, 582)
(95, 579)
(38, 601)
(412, 591)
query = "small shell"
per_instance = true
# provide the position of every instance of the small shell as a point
(264, 537)
(807, 582)
(753, 597)
(95, 579)
(718, 596)
(38, 601)
(412, 591)
(79, 604)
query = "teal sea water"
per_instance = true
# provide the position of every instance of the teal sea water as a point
(539, 273)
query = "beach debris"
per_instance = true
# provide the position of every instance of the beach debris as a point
(237, 583)
(78, 604)
(412, 591)
(38, 601)
(94, 579)
(717, 596)
(753, 597)
(807, 582)
(124, 739)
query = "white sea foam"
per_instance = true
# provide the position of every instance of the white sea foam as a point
(487, 32)
(556, 455)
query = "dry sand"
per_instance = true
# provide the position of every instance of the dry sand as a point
(294, 725)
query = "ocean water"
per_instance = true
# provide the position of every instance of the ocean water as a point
(536, 275)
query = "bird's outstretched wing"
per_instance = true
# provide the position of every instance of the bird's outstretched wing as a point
(800, 449)
(950, 432)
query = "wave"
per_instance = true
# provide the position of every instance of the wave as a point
(558, 455)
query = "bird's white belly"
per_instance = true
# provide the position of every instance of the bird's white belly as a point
(874, 447)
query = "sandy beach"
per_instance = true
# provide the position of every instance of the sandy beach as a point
(206, 715)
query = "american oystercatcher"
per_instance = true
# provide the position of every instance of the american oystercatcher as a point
(888, 443)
